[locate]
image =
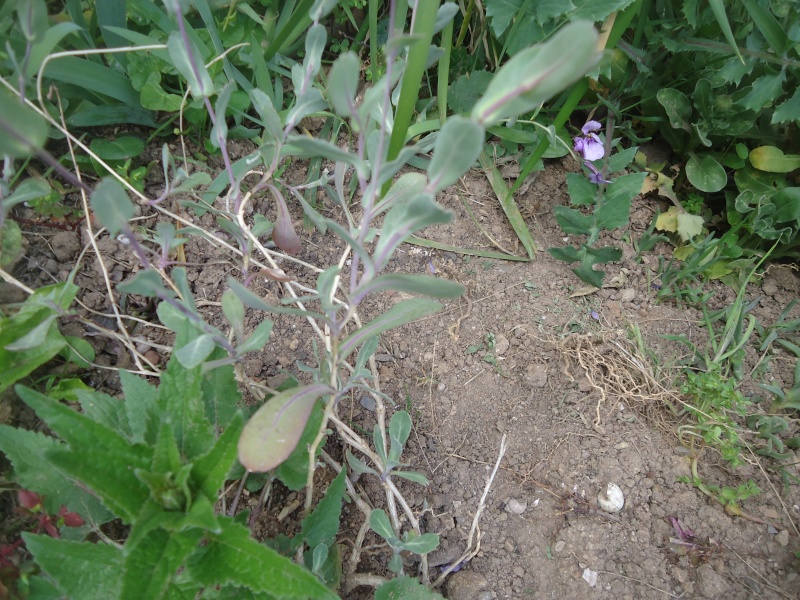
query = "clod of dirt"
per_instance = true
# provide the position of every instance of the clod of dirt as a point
(65, 245)
(467, 585)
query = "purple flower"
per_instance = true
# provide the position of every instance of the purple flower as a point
(595, 176)
(589, 145)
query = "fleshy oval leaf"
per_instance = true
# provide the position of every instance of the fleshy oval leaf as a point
(273, 432)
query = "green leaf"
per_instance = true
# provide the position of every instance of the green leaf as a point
(401, 313)
(124, 147)
(152, 563)
(112, 206)
(467, 90)
(322, 525)
(209, 471)
(406, 588)
(582, 192)
(141, 404)
(412, 476)
(399, 430)
(273, 432)
(93, 76)
(787, 205)
(310, 102)
(195, 352)
(402, 220)
(66, 563)
(787, 111)
(536, 74)
(181, 396)
(343, 84)
(257, 339)
(677, 107)
(32, 16)
(616, 207)
(501, 12)
(11, 248)
(573, 221)
(22, 131)
(718, 8)
(221, 395)
(381, 525)
(426, 285)
(98, 456)
(421, 544)
(705, 173)
(766, 89)
(105, 410)
(689, 226)
(458, 145)
(597, 10)
(234, 558)
(190, 64)
(304, 146)
(773, 160)
(30, 189)
(27, 451)
(219, 131)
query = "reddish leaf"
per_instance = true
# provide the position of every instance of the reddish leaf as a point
(283, 233)
(275, 274)
(30, 500)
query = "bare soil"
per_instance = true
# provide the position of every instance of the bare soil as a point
(526, 357)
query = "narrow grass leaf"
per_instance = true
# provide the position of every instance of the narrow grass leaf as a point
(425, 285)
(718, 8)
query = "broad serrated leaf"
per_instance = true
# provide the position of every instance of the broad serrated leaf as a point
(66, 563)
(322, 525)
(153, 562)
(181, 396)
(406, 588)
(765, 90)
(221, 395)
(458, 145)
(788, 110)
(112, 206)
(141, 406)
(401, 313)
(465, 91)
(209, 471)
(27, 451)
(273, 432)
(234, 558)
(105, 410)
(501, 13)
(98, 456)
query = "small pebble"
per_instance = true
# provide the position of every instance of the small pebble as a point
(516, 507)
(368, 402)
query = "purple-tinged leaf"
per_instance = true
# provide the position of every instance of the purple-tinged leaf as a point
(283, 233)
(275, 429)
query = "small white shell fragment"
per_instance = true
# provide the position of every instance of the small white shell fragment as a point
(516, 507)
(612, 500)
(590, 577)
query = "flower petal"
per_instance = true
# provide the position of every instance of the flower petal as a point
(591, 126)
(593, 149)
